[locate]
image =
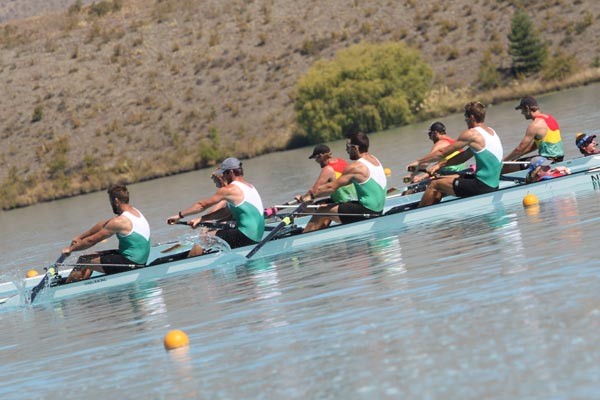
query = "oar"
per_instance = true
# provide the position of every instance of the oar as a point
(324, 214)
(50, 270)
(212, 224)
(271, 211)
(516, 162)
(284, 222)
(308, 206)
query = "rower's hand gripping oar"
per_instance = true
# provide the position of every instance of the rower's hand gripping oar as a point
(284, 222)
(51, 270)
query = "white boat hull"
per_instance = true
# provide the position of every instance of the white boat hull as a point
(585, 178)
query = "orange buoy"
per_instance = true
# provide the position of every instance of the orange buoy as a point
(530, 200)
(31, 273)
(175, 339)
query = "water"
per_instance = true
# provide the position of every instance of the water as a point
(503, 305)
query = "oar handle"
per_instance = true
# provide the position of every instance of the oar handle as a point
(269, 212)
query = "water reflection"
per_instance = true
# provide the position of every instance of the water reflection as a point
(184, 375)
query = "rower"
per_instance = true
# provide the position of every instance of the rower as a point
(133, 233)
(437, 134)
(478, 140)
(586, 144)
(331, 169)
(540, 169)
(235, 199)
(542, 134)
(368, 177)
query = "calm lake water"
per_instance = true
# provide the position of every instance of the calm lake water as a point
(502, 305)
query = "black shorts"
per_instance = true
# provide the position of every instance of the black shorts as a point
(234, 238)
(467, 187)
(354, 207)
(120, 262)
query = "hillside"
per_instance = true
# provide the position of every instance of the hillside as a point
(147, 88)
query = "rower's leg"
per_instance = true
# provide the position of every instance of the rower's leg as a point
(436, 189)
(431, 196)
(196, 251)
(314, 224)
(319, 222)
(83, 272)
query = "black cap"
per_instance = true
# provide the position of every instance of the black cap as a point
(320, 149)
(527, 101)
(437, 127)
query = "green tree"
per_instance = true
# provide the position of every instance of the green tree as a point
(528, 52)
(366, 87)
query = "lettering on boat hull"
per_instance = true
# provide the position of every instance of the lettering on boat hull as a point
(93, 281)
(595, 181)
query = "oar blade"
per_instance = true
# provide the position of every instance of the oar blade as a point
(36, 290)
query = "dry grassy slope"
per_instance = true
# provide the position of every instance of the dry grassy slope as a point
(21, 9)
(147, 84)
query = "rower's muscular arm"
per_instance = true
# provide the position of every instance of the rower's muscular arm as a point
(459, 158)
(327, 175)
(96, 228)
(466, 139)
(526, 145)
(99, 232)
(352, 171)
(221, 196)
(438, 154)
(219, 212)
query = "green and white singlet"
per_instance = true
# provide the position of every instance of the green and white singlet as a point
(371, 193)
(489, 159)
(249, 213)
(136, 244)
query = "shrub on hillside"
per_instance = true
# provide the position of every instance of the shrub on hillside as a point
(559, 66)
(366, 87)
(38, 113)
(488, 77)
(104, 7)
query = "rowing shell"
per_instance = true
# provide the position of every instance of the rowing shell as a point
(585, 177)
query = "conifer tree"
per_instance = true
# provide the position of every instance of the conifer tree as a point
(528, 52)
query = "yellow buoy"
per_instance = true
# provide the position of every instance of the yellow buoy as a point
(175, 339)
(31, 273)
(387, 171)
(530, 200)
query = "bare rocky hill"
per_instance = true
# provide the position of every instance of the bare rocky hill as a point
(146, 88)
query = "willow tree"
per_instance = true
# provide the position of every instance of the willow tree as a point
(528, 52)
(366, 87)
